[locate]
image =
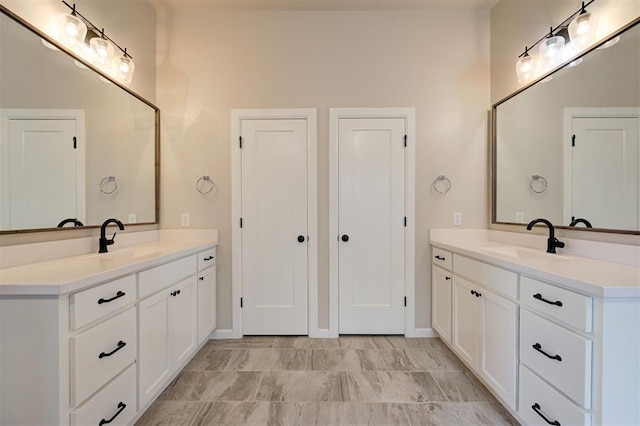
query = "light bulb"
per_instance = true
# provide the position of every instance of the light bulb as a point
(103, 50)
(72, 31)
(582, 30)
(551, 51)
(123, 68)
(525, 68)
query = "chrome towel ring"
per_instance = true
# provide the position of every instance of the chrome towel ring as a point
(538, 184)
(108, 185)
(205, 185)
(442, 184)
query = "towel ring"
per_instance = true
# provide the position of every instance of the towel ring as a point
(442, 184)
(538, 184)
(205, 185)
(108, 185)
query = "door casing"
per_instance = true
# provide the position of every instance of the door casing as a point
(237, 115)
(408, 114)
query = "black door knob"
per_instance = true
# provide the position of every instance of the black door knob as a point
(345, 238)
(300, 238)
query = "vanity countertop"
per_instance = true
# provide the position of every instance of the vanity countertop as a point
(70, 274)
(594, 277)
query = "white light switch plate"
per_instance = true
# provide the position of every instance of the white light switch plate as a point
(519, 217)
(133, 218)
(185, 220)
(457, 218)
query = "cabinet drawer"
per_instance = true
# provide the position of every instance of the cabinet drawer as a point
(567, 363)
(89, 305)
(494, 278)
(116, 402)
(100, 353)
(442, 258)
(548, 402)
(206, 259)
(564, 305)
(155, 279)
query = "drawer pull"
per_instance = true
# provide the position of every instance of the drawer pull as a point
(121, 345)
(538, 347)
(118, 295)
(208, 258)
(201, 278)
(539, 297)
(536, 408)
(121, 407)
(175, 293)
(475, 293)
(440, 257)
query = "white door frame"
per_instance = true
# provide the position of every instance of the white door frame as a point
(584, 112)
(408, 114)
(7, 114)
(237, 115)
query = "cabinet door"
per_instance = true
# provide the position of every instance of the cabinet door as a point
(466, 313)
(153, 339)
(182, 321)
(206, 303)
(498, 342)
(441, 305)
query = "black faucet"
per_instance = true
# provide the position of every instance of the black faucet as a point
(552, 241)
(104, 242)
(574, 222)
(76, 222)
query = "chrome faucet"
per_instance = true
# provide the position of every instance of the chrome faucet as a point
(574, 222)
(552, 241)
(104, 241)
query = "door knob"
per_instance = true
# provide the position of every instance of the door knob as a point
(300, 238)
(345, 238)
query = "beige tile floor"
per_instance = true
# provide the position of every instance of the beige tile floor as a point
(353, 380)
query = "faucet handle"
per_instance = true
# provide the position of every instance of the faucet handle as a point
(558, 243)
(112, 240)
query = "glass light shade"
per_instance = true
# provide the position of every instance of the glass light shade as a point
(525, 69)
(102, 52)
(582, 30)
(551, 51)
(122, 68)
(71, 31)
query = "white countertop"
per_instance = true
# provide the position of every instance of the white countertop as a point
(70, 274)
(595, 277)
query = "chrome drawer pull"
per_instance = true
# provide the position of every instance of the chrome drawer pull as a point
(536, 408)
(539, 297)
(121, 345)
(121, 407)
(208, 258)
(538, 347)
(118, 295)
(439, 257)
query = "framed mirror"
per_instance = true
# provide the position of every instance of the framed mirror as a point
(566, 147)
(75, 145)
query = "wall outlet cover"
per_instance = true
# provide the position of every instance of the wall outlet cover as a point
(133, 218)
(185, 220)
(457, 218)
(519, 217)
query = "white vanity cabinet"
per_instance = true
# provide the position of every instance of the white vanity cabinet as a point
(441, 291)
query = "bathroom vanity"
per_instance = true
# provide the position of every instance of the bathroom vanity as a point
(95, 338)
(556, 338)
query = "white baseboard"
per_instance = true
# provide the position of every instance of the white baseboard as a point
(224, 334)
(422, 332)
(321, 333)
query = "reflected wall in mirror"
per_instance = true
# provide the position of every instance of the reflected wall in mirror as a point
(568, 148)
(73, 144)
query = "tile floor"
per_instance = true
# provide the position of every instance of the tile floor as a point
(372, 380)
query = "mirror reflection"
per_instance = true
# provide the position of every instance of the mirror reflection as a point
(568, 148)
(73, 145)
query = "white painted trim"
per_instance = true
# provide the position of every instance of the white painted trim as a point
(237, 115)
(7, 114)
(226, 333)
(587, 112)
(425, 332)
(409, 115)
(321, 333)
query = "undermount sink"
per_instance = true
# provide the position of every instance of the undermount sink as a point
(525, 253)
(126, 253)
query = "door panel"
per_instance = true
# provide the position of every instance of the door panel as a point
(371, 215)
(274, 215)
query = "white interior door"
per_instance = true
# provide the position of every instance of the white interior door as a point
(371, 225)
(42, 173)
(604, 177)
(274, 226)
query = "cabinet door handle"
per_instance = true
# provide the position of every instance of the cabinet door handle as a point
(478, 294)
(473, 292)
(201, 278)
(121, 407)
(345, 238)
(538, 347)
(539, 297)
(439, 257)
(121, 345)
(536, 408)
(447, 278)
(118, 295)
(208, 258)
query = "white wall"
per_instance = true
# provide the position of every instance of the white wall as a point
(211, 61)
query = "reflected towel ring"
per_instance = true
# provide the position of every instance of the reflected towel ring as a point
(108, 185)
(442, 184)
(538, 184)
(205, 185)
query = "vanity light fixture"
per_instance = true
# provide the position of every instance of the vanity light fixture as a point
(558, 45)
(92, 44)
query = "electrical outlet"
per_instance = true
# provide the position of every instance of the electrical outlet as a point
(519, 217)
(457, 218)
(133, 218)
(185, 220)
